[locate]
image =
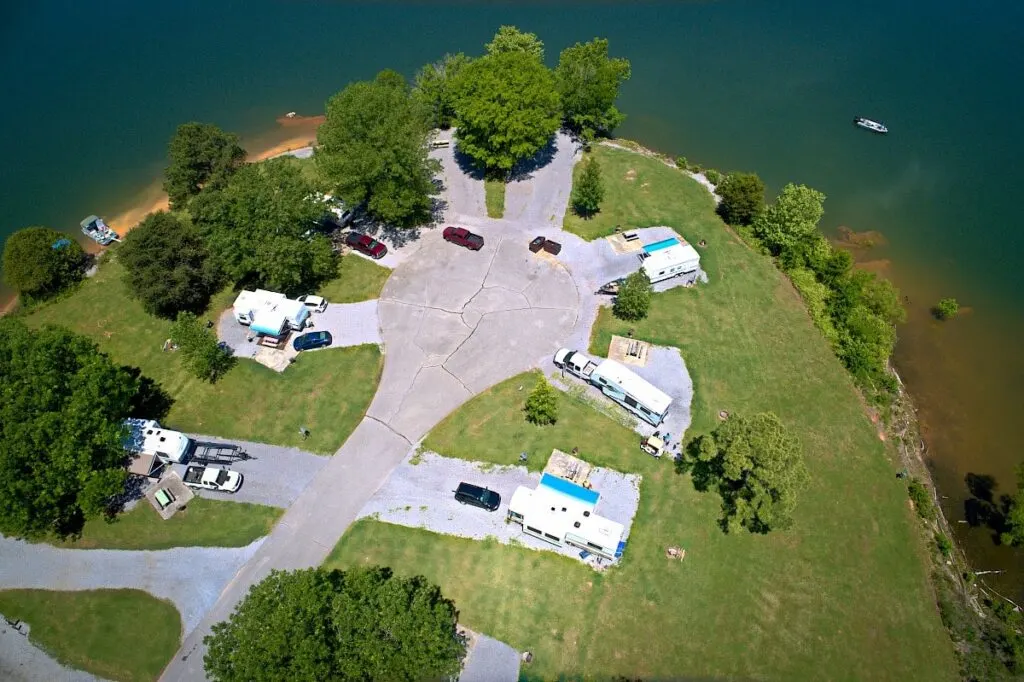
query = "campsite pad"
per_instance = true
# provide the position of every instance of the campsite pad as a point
(173, 484)
(620, 245)
(629, 351)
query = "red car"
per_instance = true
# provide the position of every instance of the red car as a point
(366, 244)
(463, 237)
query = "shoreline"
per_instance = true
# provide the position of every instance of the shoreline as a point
(301, 132)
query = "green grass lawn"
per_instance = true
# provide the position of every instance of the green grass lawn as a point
(842, 596)
(327, 391)
(643, 192)
(205, 523)
(494, 195)
(115, 634)
(358, 280)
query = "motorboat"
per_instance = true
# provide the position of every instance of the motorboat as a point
(868, 124)
(94, 228)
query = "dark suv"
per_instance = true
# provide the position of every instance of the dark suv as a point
(467, 493)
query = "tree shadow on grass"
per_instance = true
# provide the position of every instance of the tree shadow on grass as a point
(151, 401)
(982, 508)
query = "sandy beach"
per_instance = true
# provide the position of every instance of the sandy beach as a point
(289, 134)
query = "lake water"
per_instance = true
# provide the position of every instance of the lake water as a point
(93, 90)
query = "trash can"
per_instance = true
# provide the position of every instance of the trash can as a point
(552, 247)
(537, 244)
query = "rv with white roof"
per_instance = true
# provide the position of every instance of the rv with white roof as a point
(270, 313)
(670, 258)
(562, 513)
(147, 439)
(618, 383)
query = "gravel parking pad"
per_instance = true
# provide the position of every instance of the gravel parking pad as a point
(490, 661)
(350, 324)
(420, 494)
(23, 661)
(273, 475)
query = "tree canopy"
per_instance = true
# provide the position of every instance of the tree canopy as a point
(588, 190)
(258, 229)
(62, 403)
(199, 349)
(756, 467)
(317, 624)
(588, 83)
(167, 266)
(201, 156)
(435, 88)
(788, 226)
(542, 404)
(511, 39)
(373, 149)
(507, 109)
(40, 262)
(742, 198)
(1013, 533)
(634, 297)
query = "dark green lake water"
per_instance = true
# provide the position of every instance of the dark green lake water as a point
(93, 90)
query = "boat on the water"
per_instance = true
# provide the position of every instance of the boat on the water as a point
(868, 124)
(95, 229)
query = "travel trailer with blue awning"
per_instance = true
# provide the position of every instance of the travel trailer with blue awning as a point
(270, 313)
(670, 258)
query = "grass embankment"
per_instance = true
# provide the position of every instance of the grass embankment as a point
(205, 523)
(494, 195)
(327, 392)
(115, 634)
(358, 280)
(844, 595)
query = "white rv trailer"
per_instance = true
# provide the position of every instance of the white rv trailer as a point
(268, 312)
(147, 439)
(675, 260)
(632, 392)
(562, 513)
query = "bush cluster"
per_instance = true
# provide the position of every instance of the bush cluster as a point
(922, 499)
(204, 358)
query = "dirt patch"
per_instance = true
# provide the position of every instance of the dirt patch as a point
(631, 174)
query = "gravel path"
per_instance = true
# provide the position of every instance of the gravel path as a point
(350, 324)
(274, 475)
(23, 661)
(490, 661)
(192, 578)
(419, 494)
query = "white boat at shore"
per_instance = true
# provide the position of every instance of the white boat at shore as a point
(868, 124)
(94, 228)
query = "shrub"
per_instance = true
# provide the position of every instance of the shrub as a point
(946, 309)
(922, 499)
(199, 349)
(634, 298)
(40, 262)
(588, 191)
(943, 544)
(681, 163)
(742, 198)
(713, 176)
(542, 404)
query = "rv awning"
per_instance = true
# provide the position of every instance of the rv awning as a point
(269, 322)
(569, 489)
(144, 465)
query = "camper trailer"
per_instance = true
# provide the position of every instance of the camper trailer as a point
(270, 313)
(670, 258)
(562, 513)
(631, 391)
(146, 439)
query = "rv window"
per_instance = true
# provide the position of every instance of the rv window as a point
(549, 536)
(563, 508)
(630, 401)
(586, 513)
(515, 515)
(534, 530)
(597, 547)
(662, 272)
(576, 525)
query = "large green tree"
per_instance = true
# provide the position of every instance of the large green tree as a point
(511, 39)
(62, 403)
(742, 198)
(258, 228)
(1013, 533)
(167, 266)
(790, 225)
(39, 262)
(317, 624)
(757, 468)
(507, 108)
(373, 149)
(435, 88)
(542, 404)
(588, 83)
(634, 297)
(199, 350)
(201, 156)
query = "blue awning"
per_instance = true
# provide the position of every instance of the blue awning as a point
(569, 488)
(663, 244)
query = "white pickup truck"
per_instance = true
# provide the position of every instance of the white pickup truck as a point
(575, 362)
(213, 478)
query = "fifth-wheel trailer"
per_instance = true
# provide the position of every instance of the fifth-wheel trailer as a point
(618, 383)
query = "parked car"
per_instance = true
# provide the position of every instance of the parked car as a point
(467, 493)
(213, 478)
(463, 237)
(316, 304)
(366, 244)
(312, 340)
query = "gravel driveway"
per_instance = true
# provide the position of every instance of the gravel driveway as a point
(350, 324)
(490, 661)
(23, 661)
(273, 475)
(419, 494)
(192, 578)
